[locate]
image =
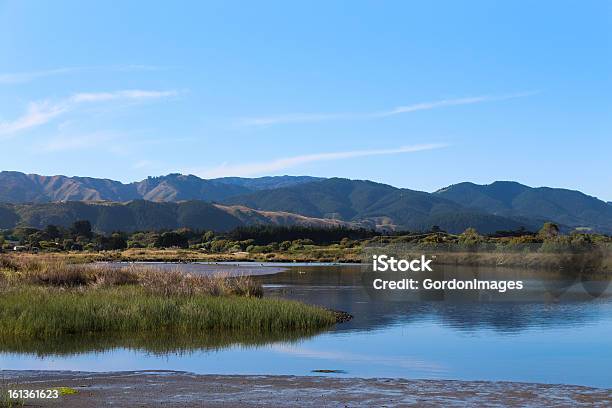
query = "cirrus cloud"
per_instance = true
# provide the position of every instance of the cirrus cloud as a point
(267, 167)
(422, 106)
(41, 112)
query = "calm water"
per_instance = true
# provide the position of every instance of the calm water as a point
(540, 340)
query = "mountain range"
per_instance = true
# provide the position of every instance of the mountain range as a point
(16, 187)
(179, 200)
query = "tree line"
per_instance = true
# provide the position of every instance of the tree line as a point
(262, 238)
(81, 236)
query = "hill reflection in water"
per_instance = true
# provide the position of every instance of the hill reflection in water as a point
(547, 301)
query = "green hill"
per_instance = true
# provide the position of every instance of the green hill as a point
(570, 208)
(142, 215)
(109, 217)
(374, 204)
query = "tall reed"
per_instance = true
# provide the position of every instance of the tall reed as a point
(39, 312)
(46, 298)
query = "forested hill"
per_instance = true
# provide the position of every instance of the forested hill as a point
(380, 205)
(142, 215)
(289, 200)
(515, 200)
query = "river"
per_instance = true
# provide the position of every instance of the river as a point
(544, 340)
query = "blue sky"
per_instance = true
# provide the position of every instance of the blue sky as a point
(418, 95)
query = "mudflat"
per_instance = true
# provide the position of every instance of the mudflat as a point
(182, 389)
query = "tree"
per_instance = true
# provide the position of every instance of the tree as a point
(171, 239)
(115, 241)
(549, 230)
(68, 244)
(23, 233)
(346, 242)
(143, 240)
(52, 232)
(470, 232)
(208, 236)
(219, 245)
(82, 227)
(470, 238)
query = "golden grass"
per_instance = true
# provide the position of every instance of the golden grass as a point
(56, 272)
(311, 254)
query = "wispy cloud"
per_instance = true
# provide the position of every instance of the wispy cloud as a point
(132, 94)
(37, 113)
(42, 112)
(29, 76)
(319, 117)
(267, 167)
(452, 102)
(299, 118)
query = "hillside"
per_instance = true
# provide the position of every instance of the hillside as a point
(374, 204)
(268, 182)
(16, 187)
(502, 205)
(147, 215)
(249, 216)
(510, 199)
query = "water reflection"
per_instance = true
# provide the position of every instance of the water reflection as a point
(539, 305)
(161, 343)
(552, 339)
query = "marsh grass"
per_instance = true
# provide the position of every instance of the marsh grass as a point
(307, 254)
(44, 300)
(36, 312)
(55, 272)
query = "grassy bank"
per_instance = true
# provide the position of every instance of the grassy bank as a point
(37, 312)
(46, 299)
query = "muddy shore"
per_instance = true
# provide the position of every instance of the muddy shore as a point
(180, 389)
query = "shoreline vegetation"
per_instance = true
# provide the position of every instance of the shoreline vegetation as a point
(46, 301)
(79, 244)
